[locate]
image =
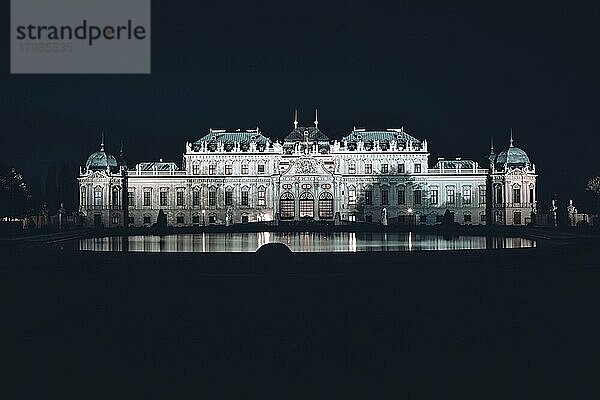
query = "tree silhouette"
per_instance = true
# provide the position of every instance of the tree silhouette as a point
(35, 190)
(66, 193)
(14, 194)
(51, 190)
(593, 186)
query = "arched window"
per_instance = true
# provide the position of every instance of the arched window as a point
(326, 205)
(287, 206)
(115, 197)
(261, 196)
(351, 196)
(307, 205)
(245, 196)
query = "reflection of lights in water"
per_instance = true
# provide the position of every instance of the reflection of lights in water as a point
(301, 242)
(263, 238)
(352, 241)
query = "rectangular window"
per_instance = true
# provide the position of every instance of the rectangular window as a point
(228, 198)
(212, 169)
(180, 219)
(180, 198)
(368, 168)
(384, 168)
(482, 196)
(466, 197)
(244, 197)
(146, 219)
(196, 198)
(417, 197)
(482, 217)
(212, 219)
(131, 220)
(352, 197)
(498, 194)
(244, 169)
(98, 197)
(401, 197)
(163, 199)
(449, 196)
(261, 168)
(422, 218)
(417, 168)
(434, 196)
(115, 219)
(368, 197)
(261, 197)
(352, 168)
(228, 169)
(196, 169)
(195, 219)
(516, 195)
(467, 217)
(384, 197)
(517, 218)
(401, 168)
(131, 198)
(147, 201)
(531, 196)
(212, 198)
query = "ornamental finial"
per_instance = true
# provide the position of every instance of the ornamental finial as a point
(296, 119)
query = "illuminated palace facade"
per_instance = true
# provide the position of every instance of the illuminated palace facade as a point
(242, 176)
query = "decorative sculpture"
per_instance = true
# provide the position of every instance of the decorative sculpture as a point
(384, 220)
(228, 217)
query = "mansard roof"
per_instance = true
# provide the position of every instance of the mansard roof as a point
(381, 135)
(453, 164)
(157, 166)
(313, 133)
(224, 136)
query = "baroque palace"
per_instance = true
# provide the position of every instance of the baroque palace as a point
(232, 177)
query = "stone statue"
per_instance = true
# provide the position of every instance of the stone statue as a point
(228, 217)
(553, 209)
(384, 220)
(572, 214)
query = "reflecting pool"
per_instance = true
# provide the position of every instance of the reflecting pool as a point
(300, 242)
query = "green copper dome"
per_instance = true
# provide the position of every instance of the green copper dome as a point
(100, 160)
(513, 156)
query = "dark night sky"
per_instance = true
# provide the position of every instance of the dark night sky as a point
(453, 74)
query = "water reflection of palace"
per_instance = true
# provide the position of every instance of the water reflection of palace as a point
(231, 177)
(299, 242)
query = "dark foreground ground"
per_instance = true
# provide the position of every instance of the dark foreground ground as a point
(517, 323)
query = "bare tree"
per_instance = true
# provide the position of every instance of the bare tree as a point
(593, 186)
